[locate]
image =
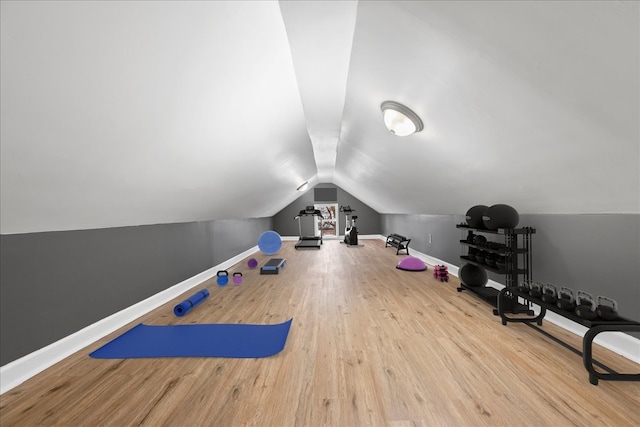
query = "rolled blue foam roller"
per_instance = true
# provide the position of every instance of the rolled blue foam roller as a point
(185, 306)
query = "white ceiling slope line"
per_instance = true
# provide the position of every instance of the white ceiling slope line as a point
(320, 36)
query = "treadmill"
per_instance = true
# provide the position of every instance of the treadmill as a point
(308, 242)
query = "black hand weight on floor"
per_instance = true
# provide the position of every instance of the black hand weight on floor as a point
(607, 311)
(585, 306)
(549, 293)
(566, 299)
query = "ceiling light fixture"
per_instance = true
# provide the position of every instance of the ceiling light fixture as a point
(399, 119)
(303, 186)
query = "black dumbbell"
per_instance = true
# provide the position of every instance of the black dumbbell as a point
(585, 306)
(490, 259)
(607, 312)
(479, 240)
(566, 299)
(549, 293)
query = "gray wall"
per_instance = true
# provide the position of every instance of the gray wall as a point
(56, 283)
(368, 221)
(596, 253)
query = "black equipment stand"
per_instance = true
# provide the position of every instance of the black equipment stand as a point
(308, 242)
(595, 327)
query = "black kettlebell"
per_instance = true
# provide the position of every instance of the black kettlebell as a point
(585, 306)
(524, 286)
(549, 293)
(535, 289)
(607, 311)
(566, 299)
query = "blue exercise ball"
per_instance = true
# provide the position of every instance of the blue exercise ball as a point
(269, 242)
(500, 216)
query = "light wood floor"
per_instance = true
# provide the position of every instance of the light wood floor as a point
(370, 345)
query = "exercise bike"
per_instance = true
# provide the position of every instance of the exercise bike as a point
(350, 230)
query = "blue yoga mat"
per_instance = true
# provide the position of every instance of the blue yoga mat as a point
(208, 340)
(185, 306)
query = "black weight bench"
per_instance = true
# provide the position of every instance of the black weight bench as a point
(399, 242)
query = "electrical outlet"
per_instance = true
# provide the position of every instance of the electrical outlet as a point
(429, 238)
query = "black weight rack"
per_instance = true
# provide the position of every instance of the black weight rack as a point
(595, 327)
(517, 250)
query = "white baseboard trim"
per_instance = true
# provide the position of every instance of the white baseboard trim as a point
(15, 373)
(620, 343)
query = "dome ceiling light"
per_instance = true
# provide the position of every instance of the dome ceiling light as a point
(400, 120)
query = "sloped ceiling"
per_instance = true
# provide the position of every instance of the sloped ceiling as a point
(127, 113)
(533, 104)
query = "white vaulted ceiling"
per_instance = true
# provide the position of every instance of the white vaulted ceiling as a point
(320, 36)
(127, 113)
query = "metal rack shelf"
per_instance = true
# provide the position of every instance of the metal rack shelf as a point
(505, 300)
(515, 250)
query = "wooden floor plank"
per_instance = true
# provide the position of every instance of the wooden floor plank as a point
(370, 345)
